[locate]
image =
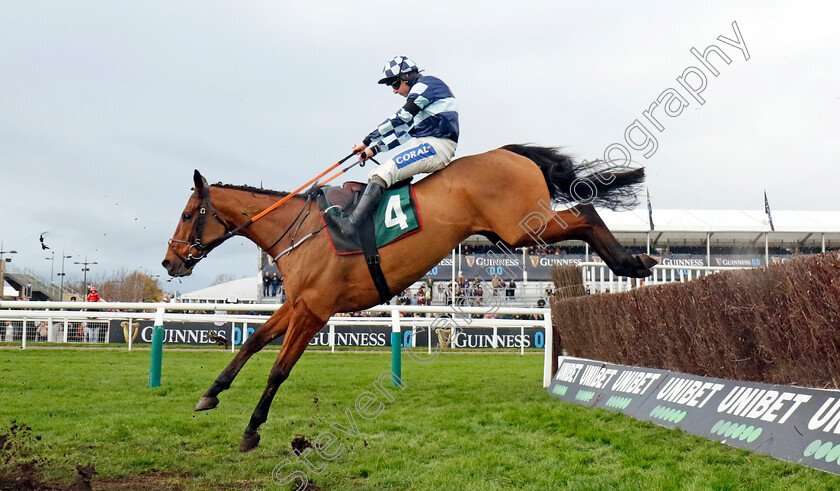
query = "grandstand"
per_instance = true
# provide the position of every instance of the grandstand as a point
(26, 284)
(728, 232)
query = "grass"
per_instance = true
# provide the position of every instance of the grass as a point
(471, 422)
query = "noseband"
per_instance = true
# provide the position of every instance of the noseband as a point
(201, 249)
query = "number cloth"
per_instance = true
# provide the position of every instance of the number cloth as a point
(396, 217)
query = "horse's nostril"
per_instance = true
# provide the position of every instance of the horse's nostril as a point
(165, 264)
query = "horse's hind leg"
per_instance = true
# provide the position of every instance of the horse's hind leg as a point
(304, 325)
(583, 222)
(274, 327)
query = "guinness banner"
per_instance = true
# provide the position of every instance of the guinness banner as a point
(507, 266)
(539, 266)
(796, 424)
(191, 333)
(206, 333)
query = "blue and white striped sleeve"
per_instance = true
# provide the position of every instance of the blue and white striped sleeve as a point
(394, 131)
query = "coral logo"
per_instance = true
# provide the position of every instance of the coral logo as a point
(410, 156)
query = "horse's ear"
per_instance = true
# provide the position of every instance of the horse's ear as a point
(200, 183)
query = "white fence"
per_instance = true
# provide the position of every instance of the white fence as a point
(598, 278)
(65, 330)
(58, 323)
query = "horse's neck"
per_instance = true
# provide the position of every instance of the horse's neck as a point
(238, 206)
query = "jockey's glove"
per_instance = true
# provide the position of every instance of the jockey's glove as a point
(375, 149)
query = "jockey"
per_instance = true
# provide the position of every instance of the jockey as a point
(427, 124)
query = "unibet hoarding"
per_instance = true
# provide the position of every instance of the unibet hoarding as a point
(792, 423)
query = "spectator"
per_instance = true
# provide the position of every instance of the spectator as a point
(276, 281)
(58, 333)
(42, 331)
(510, 293)
(93, 295)
(497, 284)
(266, 281)
(91, 333)
(541, 303)
(430, 283)
(72, 327)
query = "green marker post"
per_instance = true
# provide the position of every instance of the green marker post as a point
(157, 350)
(396, 345)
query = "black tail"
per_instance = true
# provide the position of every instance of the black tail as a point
(597, 182)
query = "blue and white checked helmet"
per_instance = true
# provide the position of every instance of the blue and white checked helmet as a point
(397, 66)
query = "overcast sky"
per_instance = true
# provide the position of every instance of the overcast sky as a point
(106, 107)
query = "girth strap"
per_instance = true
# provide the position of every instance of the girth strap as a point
(367, 237)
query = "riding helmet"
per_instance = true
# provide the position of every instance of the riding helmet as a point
(397, 66)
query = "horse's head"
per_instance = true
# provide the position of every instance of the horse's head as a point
(197, 233)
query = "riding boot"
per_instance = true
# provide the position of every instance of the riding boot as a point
(367, 203)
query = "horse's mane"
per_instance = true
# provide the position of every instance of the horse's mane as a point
(252, 189)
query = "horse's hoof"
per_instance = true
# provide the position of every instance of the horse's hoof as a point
(648, 261)
(206, 403)
(249, 442)
(643, 265)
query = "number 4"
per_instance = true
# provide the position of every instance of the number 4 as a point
(394, 214)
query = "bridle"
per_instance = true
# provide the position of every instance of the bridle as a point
(202, 249)
(195, 243)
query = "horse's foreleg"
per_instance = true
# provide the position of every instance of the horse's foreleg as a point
(583, 222)
(304, 325)
(273, 328)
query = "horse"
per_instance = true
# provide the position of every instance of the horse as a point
(500, 194)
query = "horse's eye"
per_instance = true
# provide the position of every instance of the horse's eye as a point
(187, 217)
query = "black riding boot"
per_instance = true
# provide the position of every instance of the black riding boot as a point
(367, 203)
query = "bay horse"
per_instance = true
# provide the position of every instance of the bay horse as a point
(496, 194)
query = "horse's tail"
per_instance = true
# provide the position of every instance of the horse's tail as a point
(595, 182)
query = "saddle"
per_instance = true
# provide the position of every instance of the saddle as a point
(345, 198)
